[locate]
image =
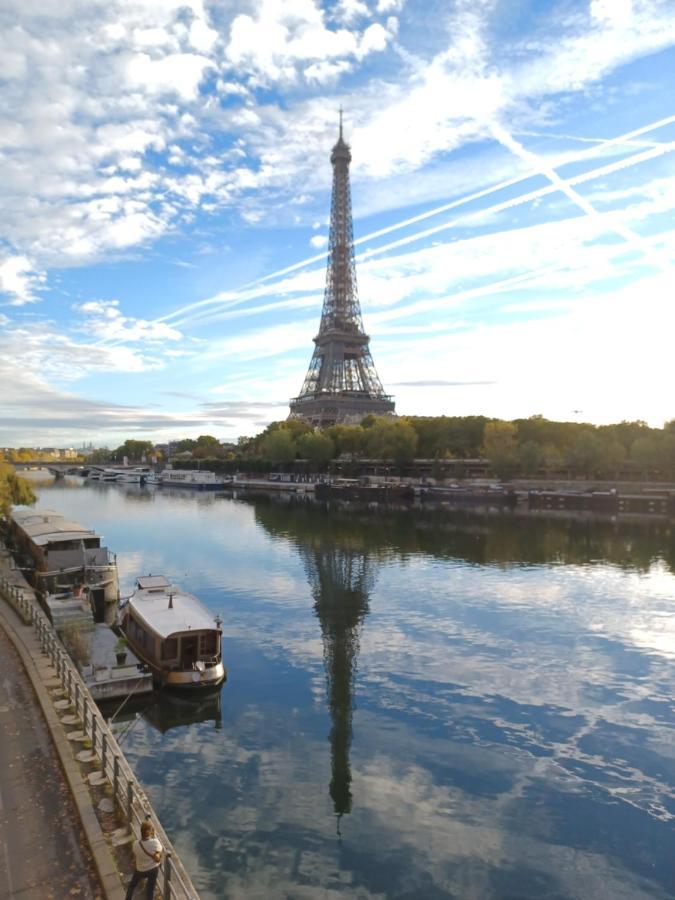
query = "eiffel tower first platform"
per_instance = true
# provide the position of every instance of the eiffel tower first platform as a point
(341, 385)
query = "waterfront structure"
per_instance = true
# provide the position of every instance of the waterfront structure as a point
(63, 555)
(341, 385)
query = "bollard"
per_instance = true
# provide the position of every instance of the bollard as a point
(167, 877)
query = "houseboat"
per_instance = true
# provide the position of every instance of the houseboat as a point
(61, 555)
(196, 479)
(132, 476)
(174, 634)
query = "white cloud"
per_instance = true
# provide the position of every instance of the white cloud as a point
(105, 320)
(349, 10)
(286, 37)
(177, 73)
(318, 241)
(19, 279)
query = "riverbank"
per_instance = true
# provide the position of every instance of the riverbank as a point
(109, 803)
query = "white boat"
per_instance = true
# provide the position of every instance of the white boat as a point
(174, 634)
(197, 479)
(132, 476)
(109, 475)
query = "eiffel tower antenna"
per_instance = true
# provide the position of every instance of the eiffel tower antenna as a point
(341, 384)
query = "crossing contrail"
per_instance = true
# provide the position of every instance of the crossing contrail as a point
(607, 223)
(201, 311)
(236, 295)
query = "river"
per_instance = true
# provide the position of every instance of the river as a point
(419, 705)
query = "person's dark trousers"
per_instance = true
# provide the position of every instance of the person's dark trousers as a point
(151, 881)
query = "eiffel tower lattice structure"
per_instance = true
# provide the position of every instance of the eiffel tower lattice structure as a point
(341, 385)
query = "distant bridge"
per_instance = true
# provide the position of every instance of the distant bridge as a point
(57, 469)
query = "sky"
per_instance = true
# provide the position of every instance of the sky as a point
(165, 183)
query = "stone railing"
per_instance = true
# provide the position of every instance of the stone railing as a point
(127, 795)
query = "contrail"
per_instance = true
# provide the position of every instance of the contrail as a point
(258, 287)
(207, 315)
(608, 223)
(592, 151)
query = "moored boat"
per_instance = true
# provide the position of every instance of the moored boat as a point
(196, 479)
(132, 476)
(174, 634)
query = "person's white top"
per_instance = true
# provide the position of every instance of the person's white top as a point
(144, 862)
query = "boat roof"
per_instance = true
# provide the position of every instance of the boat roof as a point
(186, 612)
(45, 525)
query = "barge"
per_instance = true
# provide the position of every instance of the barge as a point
(174, 634)
(62, 555)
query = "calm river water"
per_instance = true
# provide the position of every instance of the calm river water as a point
(419, 705)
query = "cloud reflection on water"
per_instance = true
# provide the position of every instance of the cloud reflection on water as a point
(502, 714)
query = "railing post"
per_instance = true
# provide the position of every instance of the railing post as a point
(70, 684)
(130, 802)
(104, 749)
(77, 698)
(93, 730)
(116, 776)
(167, 877)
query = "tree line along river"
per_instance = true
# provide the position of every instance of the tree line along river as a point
(420, 704)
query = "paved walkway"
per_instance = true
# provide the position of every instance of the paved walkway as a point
(43, 850)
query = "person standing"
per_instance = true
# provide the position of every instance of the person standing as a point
(147, 855)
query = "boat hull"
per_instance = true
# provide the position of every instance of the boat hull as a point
(186, 486)
(182, 679)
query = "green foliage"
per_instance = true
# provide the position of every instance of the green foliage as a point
(530, 456)
(279, 446)
(587, 453)
(133, 450)
(316, 448)
(348, 439)
(500, 447)
(206, 446)
(448, 436)
(13, 489)
(187, 445)
(391, 439)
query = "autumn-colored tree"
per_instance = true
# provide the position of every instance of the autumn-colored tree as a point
(13, 489)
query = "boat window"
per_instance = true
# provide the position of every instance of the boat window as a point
(170, 648)
(208, 643)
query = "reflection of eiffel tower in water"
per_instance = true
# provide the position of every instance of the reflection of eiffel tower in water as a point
(341, 580)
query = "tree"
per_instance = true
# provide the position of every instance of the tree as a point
(612, 456)
(206, 446)
(133, 450)
(13, 489)
(348, 439)
(530, 455)
(279, 447)
(587, 453)
(391, 439)
(316, 448)
(500, 448)
(646, 451)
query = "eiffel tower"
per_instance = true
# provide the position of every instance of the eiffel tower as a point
(341, 385)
